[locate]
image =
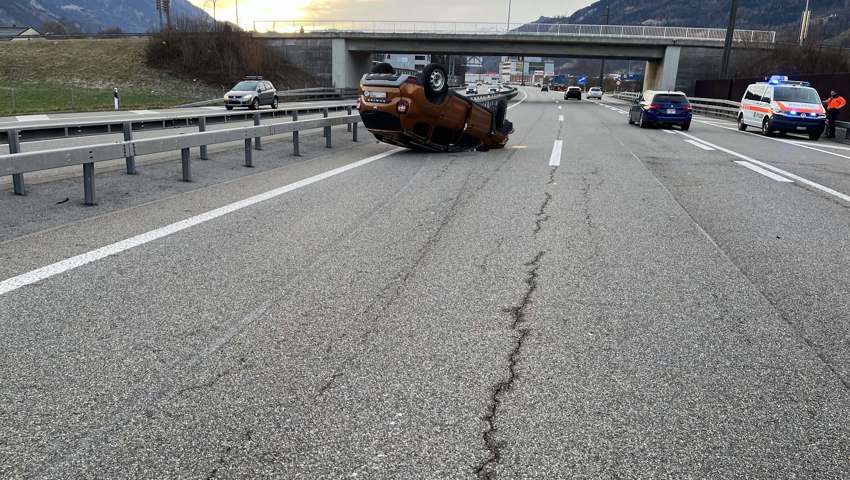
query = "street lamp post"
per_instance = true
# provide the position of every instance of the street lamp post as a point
(727, 46)
(804, 26)
(602, 67)
(509, 17)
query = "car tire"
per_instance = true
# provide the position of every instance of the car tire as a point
(383, 68)
(686, 126)
(501, 113)
(436, 82)
(275, 103)
(742, 126)
(255, 105)
(814, 136)
(765, 127)
(642, 123)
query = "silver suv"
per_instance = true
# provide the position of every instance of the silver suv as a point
(252, 92)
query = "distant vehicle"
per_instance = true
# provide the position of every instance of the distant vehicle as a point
(420, 112)
(472, 90)
(493, 89)
(572, 92)
(594, 93)
(780, 105)
(661, 108)
(252, 92)
(544, 88)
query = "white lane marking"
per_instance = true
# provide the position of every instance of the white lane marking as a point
(213, 108)
(700, 145)
(555, 158)
(762, 171)
(788, 142)
(31, 118)
(768, 166)
(560, 107)
(517, 103)
(143, 112)
(820, 145)
(560, 118)
(671, 132)
(63, 266)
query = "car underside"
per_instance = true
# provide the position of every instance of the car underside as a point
(420, 112)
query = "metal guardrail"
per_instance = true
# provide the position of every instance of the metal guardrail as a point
(473, 28)
(74, 127)
(302, 94)
(489, 100)
(17, 164)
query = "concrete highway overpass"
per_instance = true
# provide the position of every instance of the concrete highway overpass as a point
(352, 44)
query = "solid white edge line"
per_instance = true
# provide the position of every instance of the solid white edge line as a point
(560, 118)
(555, 158)
(768, 166)
(671, 132)
(517, 103)
(700, 145)
(762, 171)
(32, 118)
(57, 268)
(781, 140)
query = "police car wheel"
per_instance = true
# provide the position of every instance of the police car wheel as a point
(741, 125)
(765, 128)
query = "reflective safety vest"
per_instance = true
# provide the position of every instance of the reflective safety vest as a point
(835, 103)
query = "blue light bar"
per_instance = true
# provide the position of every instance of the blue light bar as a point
(777, 79)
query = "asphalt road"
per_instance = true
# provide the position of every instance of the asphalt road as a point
(594, 301)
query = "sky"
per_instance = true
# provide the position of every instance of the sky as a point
(421, 10)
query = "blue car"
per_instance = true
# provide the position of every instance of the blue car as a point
(661, 108)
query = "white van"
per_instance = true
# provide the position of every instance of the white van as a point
(780, 105)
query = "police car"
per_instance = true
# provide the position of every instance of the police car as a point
(780, 105)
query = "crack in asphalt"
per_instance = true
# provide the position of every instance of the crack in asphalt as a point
(541, 216)
(517, 312)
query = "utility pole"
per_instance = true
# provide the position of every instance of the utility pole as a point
(602, 67)
(727, 46)
(237, 13)
(804, 26)
(159, 11)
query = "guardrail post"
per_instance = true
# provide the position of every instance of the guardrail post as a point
(327, 129)
(187, 164)
(257, 141)
(248, 154)
(202, 127)
(296, 148)
(354, 132)
(88, 184)
(18, 178)
(348, 111)
(128, 137)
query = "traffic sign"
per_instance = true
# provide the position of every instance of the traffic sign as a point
(581, 80)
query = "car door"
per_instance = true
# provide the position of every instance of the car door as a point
(764, 104)
(753, 105)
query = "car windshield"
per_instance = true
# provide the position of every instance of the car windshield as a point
(796, 94)
(245, 86)
(595, 89)
(670, 99)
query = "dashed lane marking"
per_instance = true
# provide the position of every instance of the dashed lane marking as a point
(699, 145)
(555, 158)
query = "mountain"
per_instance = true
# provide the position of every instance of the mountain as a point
(134, 16)
(830, 18)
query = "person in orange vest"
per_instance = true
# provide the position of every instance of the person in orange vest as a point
(834, 104)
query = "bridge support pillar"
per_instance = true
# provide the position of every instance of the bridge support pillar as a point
(661, 74)
(348, 67)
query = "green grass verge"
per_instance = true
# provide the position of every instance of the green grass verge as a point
(61, 98)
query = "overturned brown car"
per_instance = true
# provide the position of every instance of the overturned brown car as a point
(420, 112)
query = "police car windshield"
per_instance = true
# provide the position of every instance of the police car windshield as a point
(245, 86)
(796, 94)
(670, 99)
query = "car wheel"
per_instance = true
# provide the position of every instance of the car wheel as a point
(642, 123)
(255, 105)
(275, 103)
(228, 107)
(436, 82)
(742, 126)
(686, 126)
(765, 127)
(501, 113)
(383, 68)
(815, 135)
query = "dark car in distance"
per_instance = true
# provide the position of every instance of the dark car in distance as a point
(572, 92)
(251, 92)
(661, 108)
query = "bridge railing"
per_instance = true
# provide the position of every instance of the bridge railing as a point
(17, 164)
(555, 29)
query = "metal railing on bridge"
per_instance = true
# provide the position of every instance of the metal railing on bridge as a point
(547, 29)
